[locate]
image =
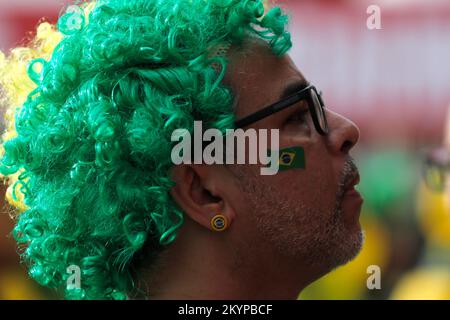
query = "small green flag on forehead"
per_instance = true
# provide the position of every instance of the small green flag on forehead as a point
(291, 158)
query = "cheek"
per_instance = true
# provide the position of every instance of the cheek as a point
(316, 183)
(313, 186)
(319, 172)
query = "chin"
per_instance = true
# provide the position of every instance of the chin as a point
(353, 227)
(347, 246)
(352, 247)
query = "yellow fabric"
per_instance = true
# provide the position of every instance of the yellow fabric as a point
(14, 286)
(424, 284)
(434, 216)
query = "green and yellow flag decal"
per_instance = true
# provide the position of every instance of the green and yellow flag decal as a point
(291, 158)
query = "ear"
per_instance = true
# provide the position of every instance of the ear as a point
(203, 191)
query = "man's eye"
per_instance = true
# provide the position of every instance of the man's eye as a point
(299, 116)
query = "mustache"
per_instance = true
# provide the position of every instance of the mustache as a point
(349, 172)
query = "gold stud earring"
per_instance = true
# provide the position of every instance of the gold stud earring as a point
(219, 223)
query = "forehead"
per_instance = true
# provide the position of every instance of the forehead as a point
(257, 76)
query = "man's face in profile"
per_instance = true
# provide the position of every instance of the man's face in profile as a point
(310, 215)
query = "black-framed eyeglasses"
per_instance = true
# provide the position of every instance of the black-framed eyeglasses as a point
(436, 169)
(315, 104)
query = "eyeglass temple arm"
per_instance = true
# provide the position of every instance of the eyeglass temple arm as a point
(278, 106)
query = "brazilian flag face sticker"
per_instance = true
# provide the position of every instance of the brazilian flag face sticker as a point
(291, 158)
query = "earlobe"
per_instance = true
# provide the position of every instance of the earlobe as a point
(199, 192)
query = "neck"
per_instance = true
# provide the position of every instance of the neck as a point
(204, 265)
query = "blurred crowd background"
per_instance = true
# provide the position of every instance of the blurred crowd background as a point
(395, 84)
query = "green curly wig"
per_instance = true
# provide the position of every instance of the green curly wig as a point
(93, 140)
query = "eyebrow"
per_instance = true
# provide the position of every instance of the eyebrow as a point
(293, 87)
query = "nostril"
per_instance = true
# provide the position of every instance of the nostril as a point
(346, 146)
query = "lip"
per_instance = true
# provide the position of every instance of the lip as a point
(350, 190)
(353, 181)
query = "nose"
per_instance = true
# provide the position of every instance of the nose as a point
(343, 133)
